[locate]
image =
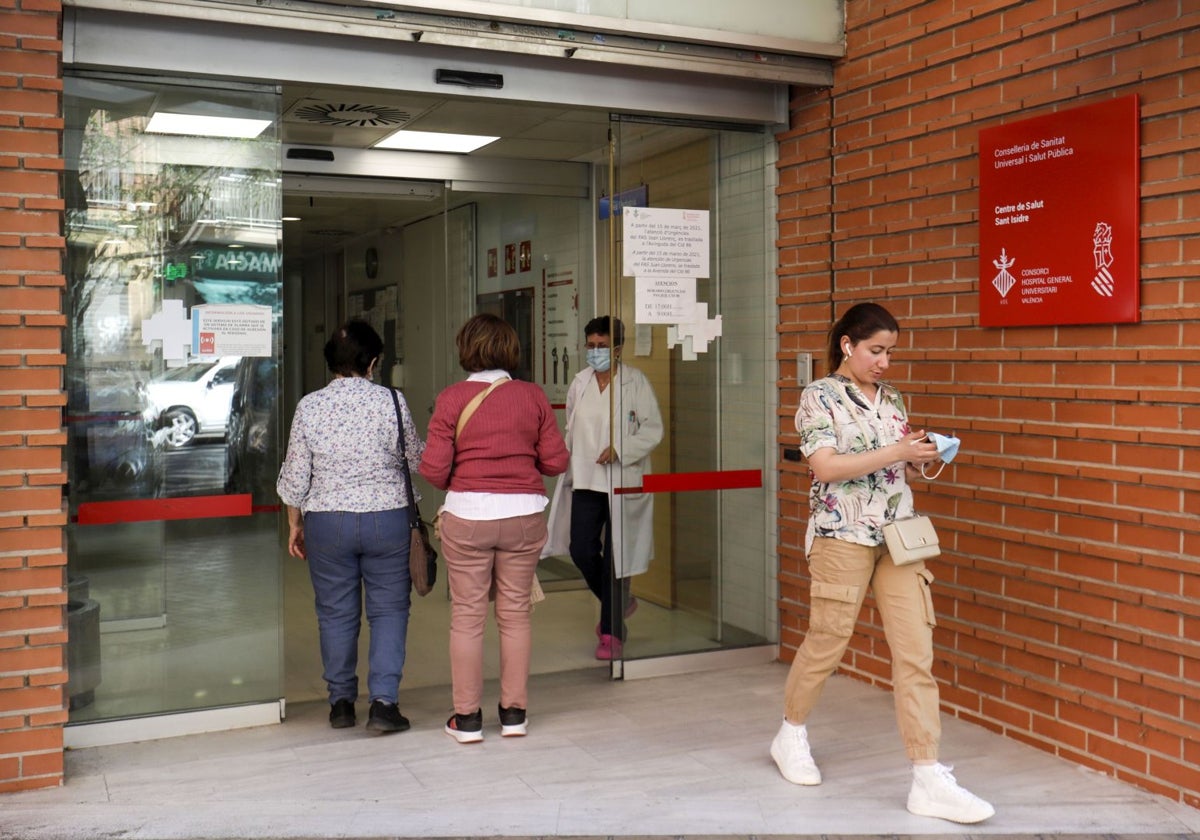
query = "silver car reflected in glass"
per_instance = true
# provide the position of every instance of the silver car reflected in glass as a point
(192, 402)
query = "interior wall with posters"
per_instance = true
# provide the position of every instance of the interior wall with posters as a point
(542, 244)
(1058, 217)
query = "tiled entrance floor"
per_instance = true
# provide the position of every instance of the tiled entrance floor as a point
(669, 756)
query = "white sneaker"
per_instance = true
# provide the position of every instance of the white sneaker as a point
(792, 756)
(935, 793)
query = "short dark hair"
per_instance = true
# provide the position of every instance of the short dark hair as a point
(352, 348)
(488, 342)
(859, 323)
(601, 326)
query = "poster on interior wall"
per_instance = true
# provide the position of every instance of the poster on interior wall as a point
(560, 332)
(493, 263)
(1058, 218)
(510, 258)
(526, 255)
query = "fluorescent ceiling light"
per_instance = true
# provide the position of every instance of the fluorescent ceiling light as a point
(433, 141)
(196, 125)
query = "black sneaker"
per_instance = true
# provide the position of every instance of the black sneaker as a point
(512, 722)
(466, 729)
(341, 714)
(385, 717)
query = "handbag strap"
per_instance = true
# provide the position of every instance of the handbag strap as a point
(414, 515)
(475, 402)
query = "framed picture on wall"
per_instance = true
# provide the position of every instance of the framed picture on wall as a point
(510, 258)
(493, 267)
(526, 255)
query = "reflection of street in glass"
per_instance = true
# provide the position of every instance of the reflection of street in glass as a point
(192, 402)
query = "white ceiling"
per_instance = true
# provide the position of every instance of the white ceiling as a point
(358, 118)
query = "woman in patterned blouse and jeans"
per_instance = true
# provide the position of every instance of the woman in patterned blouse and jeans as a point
(343, 485)
(855, 434)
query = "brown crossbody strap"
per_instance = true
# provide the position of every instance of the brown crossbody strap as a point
(474, 404)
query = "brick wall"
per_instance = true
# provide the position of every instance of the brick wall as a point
(32, 559)
(1069, 589)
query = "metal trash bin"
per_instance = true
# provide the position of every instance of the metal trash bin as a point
(83, 644)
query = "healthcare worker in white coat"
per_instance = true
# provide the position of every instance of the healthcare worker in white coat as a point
(609, 536)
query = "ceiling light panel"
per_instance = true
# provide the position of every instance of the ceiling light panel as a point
(433, 141)
(198, 125)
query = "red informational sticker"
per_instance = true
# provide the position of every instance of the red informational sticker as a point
(1058, 218)
(208, 343)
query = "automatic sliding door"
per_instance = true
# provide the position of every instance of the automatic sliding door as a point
(688, 274)
(173, 342)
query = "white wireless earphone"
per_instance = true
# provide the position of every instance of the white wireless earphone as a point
(848, 350)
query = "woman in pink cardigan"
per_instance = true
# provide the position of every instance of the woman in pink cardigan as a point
(492, 523)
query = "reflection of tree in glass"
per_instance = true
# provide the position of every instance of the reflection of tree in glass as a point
(133, 209)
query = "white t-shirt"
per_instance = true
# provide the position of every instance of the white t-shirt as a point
(589, 437)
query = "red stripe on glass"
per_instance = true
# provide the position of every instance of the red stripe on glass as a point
(684, 482)
(149, 510)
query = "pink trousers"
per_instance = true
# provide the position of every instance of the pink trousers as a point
(483, 556)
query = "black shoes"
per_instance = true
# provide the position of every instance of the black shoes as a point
(341, 714)
(385, 717)
(512, 722)
(466, 729)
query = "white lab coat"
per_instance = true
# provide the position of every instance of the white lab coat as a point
(631, 514)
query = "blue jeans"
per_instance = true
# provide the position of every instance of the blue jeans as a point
(349, 555)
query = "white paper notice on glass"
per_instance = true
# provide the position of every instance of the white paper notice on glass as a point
(665, 242)
(643, 338)
(664, 300)
(231, 329)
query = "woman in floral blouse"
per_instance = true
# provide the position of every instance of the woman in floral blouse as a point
(862, 453)
(343, 484)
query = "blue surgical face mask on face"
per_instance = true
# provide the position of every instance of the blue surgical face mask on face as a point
(599, 358)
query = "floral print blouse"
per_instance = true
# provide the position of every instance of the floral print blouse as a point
(854, 510)
(343, 453)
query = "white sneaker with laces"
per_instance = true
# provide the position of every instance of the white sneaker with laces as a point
(935, 793)
(792, 755)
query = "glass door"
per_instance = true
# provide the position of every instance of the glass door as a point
(688, 270)
(173, 375)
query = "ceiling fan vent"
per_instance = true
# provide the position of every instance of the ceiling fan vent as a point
(352, 115)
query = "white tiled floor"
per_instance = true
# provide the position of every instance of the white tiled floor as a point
(671, 755)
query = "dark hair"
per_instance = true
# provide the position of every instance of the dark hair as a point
(488, 342)
(600, 326)
(859, 323)
(352, 349)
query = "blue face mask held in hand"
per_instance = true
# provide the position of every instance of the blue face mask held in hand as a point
(947, 447)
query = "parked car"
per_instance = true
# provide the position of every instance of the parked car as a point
(252, 458)
(193, 401)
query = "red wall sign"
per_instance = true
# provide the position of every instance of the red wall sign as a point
(1058, 218)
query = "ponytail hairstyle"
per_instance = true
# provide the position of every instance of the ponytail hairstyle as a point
(859, 323)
